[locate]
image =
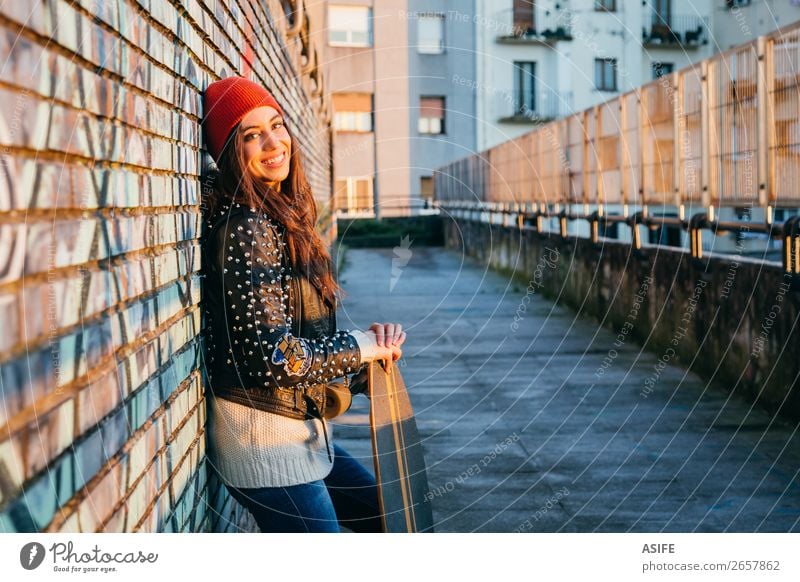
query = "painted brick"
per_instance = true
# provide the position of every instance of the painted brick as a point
(136, 503)
(97, 345)
(149, 523)
(34, 17)
(34, 305)
(65, 357)
(33, 375)
(13, 376)
(115, 432)
(152, 480)
(61, 244)
(11, 467)
(143, 404)
(71, 524)
(141, 365)
(143, 452)
(98, 399)
(7, 524)
(25, 120)
(62, 477)
(98, 506)
(13, 192)
(88, 457)
(9, 315)
(12, 251)
(117, 522)
(136, 243)
(51, 434)
(53, 185)
(41, 502)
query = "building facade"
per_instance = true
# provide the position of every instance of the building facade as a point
(665, 176)
(398, 113)
(739, 21)
(538, 61)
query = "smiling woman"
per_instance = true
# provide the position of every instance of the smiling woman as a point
(273, 347)
(267, 144)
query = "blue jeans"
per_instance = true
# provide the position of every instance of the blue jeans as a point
(348, 496)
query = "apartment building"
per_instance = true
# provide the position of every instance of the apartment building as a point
(739, 21)
(398, 113)
(418, 83)
(539, 60)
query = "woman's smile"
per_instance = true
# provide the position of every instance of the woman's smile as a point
(274, 161)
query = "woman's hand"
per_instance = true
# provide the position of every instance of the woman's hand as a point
(389, 334)
(385, 352)
(388, 337)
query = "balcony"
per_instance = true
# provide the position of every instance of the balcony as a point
(674, 31)
(546, 27)
(548, 105)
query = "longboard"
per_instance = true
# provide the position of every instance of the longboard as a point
(397, 453)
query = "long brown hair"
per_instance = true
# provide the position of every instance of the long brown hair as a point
(293, 207)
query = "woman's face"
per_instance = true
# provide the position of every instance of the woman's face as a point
(267, 145)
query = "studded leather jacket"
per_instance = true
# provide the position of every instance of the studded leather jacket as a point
(271, 339)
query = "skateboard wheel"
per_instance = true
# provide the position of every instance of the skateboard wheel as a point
(337, 400)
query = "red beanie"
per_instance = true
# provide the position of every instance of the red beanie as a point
(225, 102)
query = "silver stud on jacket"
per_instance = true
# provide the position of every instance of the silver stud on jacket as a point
(249, 306)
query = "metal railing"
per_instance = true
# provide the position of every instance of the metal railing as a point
(546, 25)
(723, 133)
(411, 207)
(532, 216)
(547, 105)
(673, 30)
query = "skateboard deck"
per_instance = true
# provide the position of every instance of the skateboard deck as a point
(397, 453)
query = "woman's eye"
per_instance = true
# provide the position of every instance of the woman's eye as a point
(278, 124)
(250, 136)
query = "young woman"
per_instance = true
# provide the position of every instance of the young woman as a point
(272, 343)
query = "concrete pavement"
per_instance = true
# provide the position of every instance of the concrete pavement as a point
(533, 420)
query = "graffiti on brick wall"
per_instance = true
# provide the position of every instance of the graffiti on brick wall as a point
(102, 423)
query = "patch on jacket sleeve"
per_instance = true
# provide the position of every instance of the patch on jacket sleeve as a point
(294, 354)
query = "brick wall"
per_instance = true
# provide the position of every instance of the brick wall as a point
(102, 413)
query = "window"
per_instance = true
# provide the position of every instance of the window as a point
(662, 12)
(352, 121)
(431, 115)
(605, 74)
(524, 22)
(353, 112)
(736, 3)
(660, 69)
(605, 5)
(430, 34)
(353, 195)
(426, 187)
(524, 88)
(350, 25)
